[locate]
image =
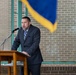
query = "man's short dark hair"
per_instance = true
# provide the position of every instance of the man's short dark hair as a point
(25, 17)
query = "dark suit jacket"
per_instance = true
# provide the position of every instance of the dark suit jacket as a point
(30, 44)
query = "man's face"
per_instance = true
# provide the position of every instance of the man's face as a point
(25, 24)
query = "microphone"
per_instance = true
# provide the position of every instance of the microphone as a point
(8, 37)
(15, 30)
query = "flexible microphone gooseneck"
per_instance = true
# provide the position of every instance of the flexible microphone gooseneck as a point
(8, 37)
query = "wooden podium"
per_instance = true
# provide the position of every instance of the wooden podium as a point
(13, 56)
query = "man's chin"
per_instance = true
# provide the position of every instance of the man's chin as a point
(24, 28)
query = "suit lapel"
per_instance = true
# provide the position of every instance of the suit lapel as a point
(22, 35)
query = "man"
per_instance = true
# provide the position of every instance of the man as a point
(29, 38)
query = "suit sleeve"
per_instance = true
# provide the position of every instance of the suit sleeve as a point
(16, 43)
(35, 44)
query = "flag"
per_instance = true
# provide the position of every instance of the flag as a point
(44, 11)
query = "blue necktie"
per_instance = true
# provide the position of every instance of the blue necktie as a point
(25, 33)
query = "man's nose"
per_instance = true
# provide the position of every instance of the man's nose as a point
(23, 23)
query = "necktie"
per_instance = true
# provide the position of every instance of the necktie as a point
(25, 33)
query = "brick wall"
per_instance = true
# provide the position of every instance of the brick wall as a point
(61, 45)
(5, 23)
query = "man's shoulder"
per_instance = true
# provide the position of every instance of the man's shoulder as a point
(35, 27)
(20, 29)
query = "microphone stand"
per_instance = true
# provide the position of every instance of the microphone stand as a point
(8, 37)
(5, 41)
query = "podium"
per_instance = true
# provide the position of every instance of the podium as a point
(13, 56)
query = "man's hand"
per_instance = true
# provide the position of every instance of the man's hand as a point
(26, 53)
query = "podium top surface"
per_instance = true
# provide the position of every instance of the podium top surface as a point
(11, 52)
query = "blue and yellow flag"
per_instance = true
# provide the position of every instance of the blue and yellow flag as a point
(44, 11)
